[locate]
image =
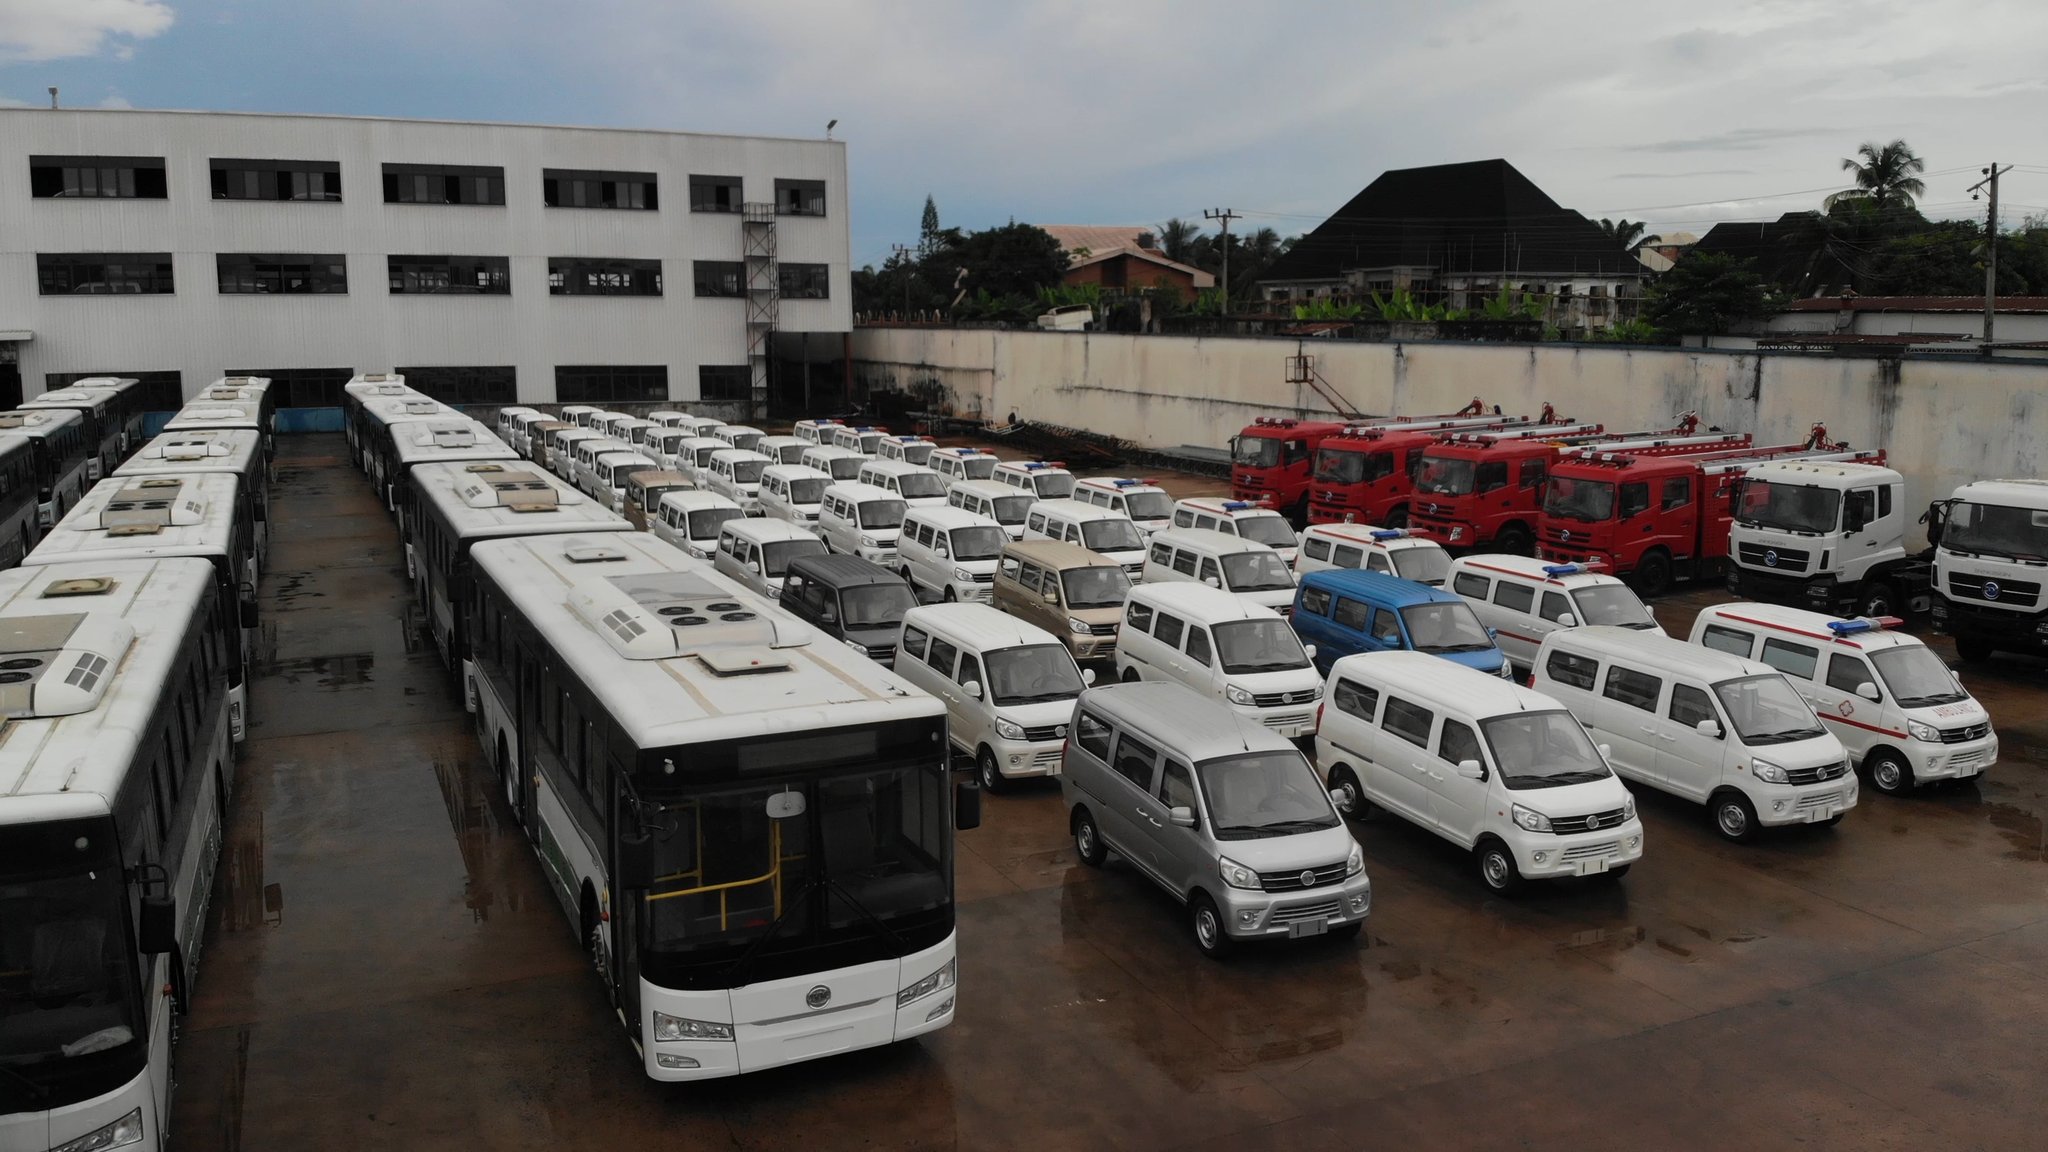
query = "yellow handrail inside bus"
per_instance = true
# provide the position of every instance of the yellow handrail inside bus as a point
(773, 876)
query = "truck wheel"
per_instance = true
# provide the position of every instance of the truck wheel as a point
(1974, 649)
(1889, 772)
(1398, 518)
(1515, 540)
(1878, 599)
(1653, 572)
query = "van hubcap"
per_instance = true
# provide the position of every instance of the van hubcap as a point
(1205, 927)
(1084, 838)
(1734, 821)
(1496, 868)
(1886, 775)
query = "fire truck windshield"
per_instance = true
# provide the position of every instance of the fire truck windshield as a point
(1255, 451)
(1570, 499)
(1335, 466)
(1445, 477)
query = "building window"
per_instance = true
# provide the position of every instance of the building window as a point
(276, 180)
(295, 273)
(715, 194)
(610, 383)
(161, 391)
(804, 281)
(101, 177)
(562, 188)
(718, 277)
(443, 184)
(800, 197)
(451, 275)
(104, 273)
(303, 387)
(597, 276)
(498, 385)
(725, 382)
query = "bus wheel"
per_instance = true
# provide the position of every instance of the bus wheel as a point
(1653, 572)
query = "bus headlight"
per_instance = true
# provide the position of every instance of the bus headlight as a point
(120, 1134)
(943, 978)
(667, 1027)
(1926, 732)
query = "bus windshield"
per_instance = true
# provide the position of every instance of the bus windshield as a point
(1038, 674)
(1254, 451)
(1791, 507)
(1445, 476)
(1112, 536)
(1095, 587)
(1445, 626)
(1589, 500)
(1994, 530)
(66, 964)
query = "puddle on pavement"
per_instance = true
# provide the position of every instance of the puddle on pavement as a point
(329, 673)
(250, 901)
(481, 827)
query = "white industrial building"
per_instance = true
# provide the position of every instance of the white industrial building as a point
(488, 262)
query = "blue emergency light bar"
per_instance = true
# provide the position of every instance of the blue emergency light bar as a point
(1128, 483)
(1236, 505)
(1863, 624)
(1389, 533)
(1572, 569)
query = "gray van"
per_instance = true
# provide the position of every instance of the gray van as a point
(1220, 811)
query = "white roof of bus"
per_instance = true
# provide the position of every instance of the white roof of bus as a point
(367, 384)
(565, 585)
(447, 438)
(107, 383)
(196, 450)
(160, 515)
(38, 423)
(394, 409)
(215, 414)
(483, 500)
(76, 397)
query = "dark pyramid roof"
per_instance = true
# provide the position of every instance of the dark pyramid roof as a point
(1790, 252)
(1481, 216)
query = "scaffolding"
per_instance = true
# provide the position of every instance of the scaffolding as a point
(764, 296)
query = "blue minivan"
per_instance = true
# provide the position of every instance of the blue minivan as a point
(1346, 610)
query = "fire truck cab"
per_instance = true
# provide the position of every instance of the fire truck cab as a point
(1365, 473)
(1483, 490)
(1270, 460)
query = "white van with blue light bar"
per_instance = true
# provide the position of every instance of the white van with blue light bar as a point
(1145, 503)
(1402, 552)
(909, 449)
(864, 439)
(957, 464)
(1048, 479)
(1905, 718)
(1524, 600)
(816, 431)
(1254, 520)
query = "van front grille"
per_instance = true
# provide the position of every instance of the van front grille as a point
(1297, 913)
(1569, 825)
(1049, 732)
(1965, 735)
(1276, 699)
(1102, 629)
(1820, 800)
(1816, 775)
(1291, 881)
(1590, 851)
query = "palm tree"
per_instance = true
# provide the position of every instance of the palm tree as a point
(1179, 239)
(1625, 232)
(1888, 174)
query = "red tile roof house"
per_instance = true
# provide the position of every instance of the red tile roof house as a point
(1124, 259)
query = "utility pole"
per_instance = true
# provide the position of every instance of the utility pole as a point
(1224, 215)
(904, 250)
(1990, 185)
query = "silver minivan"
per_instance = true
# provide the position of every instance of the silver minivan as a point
(1218, 810)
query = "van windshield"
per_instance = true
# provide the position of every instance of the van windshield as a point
(1272, 531)
(775, 557)
(1248, 646)
(1264, 794)
(1112, 536)
(983, 543)
(919, 454)
(1429, 564)
(977, 467)
(1148, 505)
(748, 471)
(881, 513)
(808, 491)
(875, 605)
(1542, 750)
(1095, 587)
(1011, 509)
(1053, 485)
(1612, 604)
(1039, 674)
(1588, 500)
(921, 485)
(1445, 627)
(1917, 677)
(1256, 572)
(705, 523)
(1765, 710)
(844, 467)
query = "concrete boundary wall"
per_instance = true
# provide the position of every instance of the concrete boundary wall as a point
(1943, 422)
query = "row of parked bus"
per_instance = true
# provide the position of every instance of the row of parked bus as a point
(126, 622)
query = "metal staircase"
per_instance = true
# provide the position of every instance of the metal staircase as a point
(764, 295)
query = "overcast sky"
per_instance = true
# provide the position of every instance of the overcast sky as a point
(1131, 111)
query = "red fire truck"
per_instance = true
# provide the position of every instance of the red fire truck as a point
(1270, 458)
(1656, 515)
(1365, 473)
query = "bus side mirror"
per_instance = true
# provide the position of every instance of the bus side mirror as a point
(636, 860)
(158, 930)
(967, 804)
(1708, 728)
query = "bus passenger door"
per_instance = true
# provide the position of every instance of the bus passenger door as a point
(520, 771)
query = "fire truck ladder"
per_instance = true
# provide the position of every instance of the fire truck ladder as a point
(1621, 451)
(1301, 369)
(1787, 453)
(1571, 433)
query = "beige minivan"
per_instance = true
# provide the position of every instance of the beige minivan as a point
(1065, 589)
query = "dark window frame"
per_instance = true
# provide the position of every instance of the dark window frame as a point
(800, 197)
(284, 269)
(304, 387)
(460, 185)
(65, 178)
(435, 275)
(464, 384)
(718, 279)
(600, 189)
(603, 276)
(716, 382)
(284, 181)
(700, 183)
(803, 281)
(611, 383)
(152, 272)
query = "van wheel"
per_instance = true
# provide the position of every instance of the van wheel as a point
(1515, 540)
(949, 597)
(1355, 806)
(1734, 816)
(1890, 773)
(1653, 572)
(1497, 868)
(1877, 600)
(1130, 676)
(1974, 649)
(991, 774)
(1207, 922)
(1088, 843)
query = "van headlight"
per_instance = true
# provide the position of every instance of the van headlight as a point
(1354, 863)
(1530, 820)
(963, 575)
(122, 1133)
(1628, 806)
(1767, 772)
(1077, 625)
(667, 1027)
(1237, 875)
(1507, 671)
(941, 979)
(1009, 729)
(856, 645)
(1236, 695)
(1927, 732)
(868, 541)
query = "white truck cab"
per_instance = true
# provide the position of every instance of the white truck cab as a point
(1824, 535)
(1991, 566)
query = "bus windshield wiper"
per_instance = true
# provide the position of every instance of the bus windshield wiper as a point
(902, 947)
(738, 966)
(37, 1092)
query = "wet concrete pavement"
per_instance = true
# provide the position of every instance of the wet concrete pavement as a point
(384, 968)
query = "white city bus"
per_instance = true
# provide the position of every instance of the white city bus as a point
(451, 439)
(377, 435)
(450, 506)
(104, 425)
(232, 402)
(114, 785)
(151, 517)
(362, 389)
(237, 452)
(750, 826)
(19, 526)
(128, 410)
(57, 444)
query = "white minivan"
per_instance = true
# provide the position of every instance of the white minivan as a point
(997, 501)
(1045, 479)
(1398, 552)
(839, 463)
(950, 554)
(1146, 503)
(756, 551)
(816, 431)
(1205, 556)
(692, 457)
(1524, 599)
(862, 520)
(1009, 686)
(735, 474)
(1493, 767)
(909, 449)
(1716, 729)
(608, 476)
(783, 449)
(690, 520)
(1224, 647)
(1253, 521)
(863, 439)
(920, 487)
(963, 463)
(738, 435)
(1099, 530)
(1902, 714)
(793, 492)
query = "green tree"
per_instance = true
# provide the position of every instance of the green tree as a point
(1625, 232)
(1705, 294)
(1179, 239)
(1887, 174)
(928, 228)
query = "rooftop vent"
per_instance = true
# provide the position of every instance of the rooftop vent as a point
(445, 436)
(663, 615)
(187, 446)
(422, 407)
(592, 553)
(222, 412)
(57, 665)
(22, 419)
(496, 486)
(147, 507)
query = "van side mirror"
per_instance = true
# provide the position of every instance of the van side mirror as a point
(1181, 817)
(1052, 595)
(1471, 770)
(1869, 692)
(157, 930)
(754, 566)
(636, 860)
(1212, 581)
(1087, 675)
(1709, 728)
(1493, 633)
(973, 689)
(967, 804)
(1606, 751)
(1308, 650)
(1567, 621)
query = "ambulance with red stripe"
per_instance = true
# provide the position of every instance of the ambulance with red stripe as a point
(1523, 600)
(1903, 715)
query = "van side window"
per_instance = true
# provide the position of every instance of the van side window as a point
(1168, 630)
(1184, 562)
(1351, 613)
(1555, 607)
(1182, 518)
(1316, 601)
(1795, 660)
(1408, 721)
(914, 641)
(1092, 735)
(1134, 761)
(1177, 786)
(1198, 646)
(1036, 523)
(1845, 672)
(1574, 671)
(1211, 572)
(1514, 597)
(1633, 688)
(1139, 617)
(1386, 628)
(943, 657)
(1316, 547)
(1677, 493)
(1689, 705)
(1355, 700)
(1457, 744)
(1468, 584)
(1348, 557)
(956, 499)
(970, 671)
(1012, 569)
(1162, 555)
(1377, 562)
(1728, 640)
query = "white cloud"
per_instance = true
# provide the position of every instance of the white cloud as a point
(58, 29)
